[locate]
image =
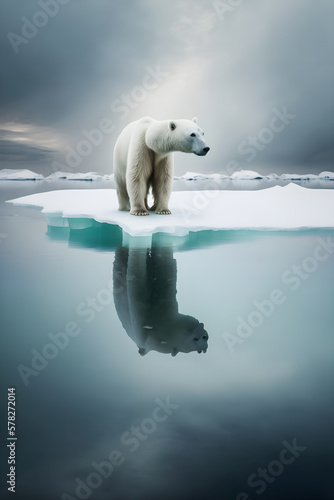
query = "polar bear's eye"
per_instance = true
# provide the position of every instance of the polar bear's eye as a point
(192, 135)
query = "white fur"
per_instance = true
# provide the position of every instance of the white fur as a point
(143, 158)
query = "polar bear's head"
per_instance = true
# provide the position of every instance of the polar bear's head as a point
(166, 136)
(182, 333)
(196, 338)
(187, 137)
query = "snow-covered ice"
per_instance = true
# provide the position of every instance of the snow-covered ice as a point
(275, 208)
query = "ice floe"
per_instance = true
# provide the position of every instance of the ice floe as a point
(27, 175)
(193, 176)
(253, 175)
(10, 174)
(246, 174)
(79, 176)
(326, 175)
(276, 208)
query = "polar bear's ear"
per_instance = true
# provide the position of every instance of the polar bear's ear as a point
(172, 125)
(174, 351)
(194, 119)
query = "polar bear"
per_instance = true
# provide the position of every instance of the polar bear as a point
(144, 286)
(143, 158)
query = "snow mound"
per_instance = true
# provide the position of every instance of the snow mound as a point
(10, 174)
(193, 176)
(246, 174)
(289, 207)
(326, 175)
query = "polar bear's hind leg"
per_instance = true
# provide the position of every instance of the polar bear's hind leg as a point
(123, 198)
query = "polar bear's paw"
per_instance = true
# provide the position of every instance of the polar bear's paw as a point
(139, 211)
(163, 211)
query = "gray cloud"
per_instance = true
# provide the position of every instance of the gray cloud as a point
(22, 153)
(230, 72)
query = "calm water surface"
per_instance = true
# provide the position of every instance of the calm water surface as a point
(100, 338)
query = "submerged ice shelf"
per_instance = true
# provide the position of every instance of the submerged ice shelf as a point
(275, 208)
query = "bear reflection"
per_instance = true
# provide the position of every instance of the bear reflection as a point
(144, 283)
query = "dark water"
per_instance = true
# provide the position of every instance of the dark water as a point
(100, 338)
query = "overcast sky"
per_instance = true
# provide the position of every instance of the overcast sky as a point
(258, 74)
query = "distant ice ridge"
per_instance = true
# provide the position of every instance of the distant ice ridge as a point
(193, 176)
(276, 208)
(88, 176)
(22, 175)
(251, 174)
(27, 175)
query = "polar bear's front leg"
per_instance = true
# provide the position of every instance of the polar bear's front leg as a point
(162, 185)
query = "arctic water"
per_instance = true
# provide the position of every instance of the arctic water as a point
(100, 338)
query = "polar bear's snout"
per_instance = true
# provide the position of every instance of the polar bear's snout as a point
(204, 151)
(199, 146)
